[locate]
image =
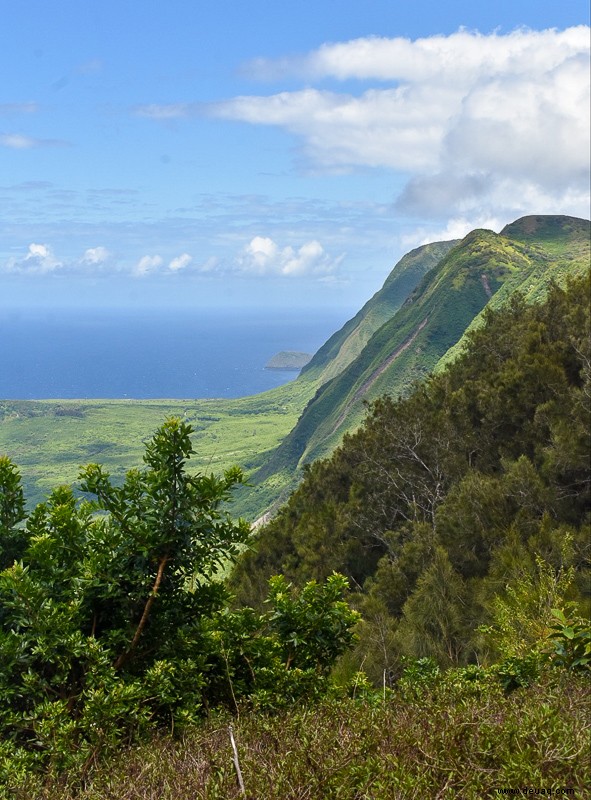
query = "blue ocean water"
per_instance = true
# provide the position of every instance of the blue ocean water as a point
(156, 354)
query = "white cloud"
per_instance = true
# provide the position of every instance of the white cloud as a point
(462, 56)
(180, 262)
(146, 265)
(471, 196)
(456, 228)
(17, 141)
(39, 259)
(490, 110)
(262, 256)
(96, 255)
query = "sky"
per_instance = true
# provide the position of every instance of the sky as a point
(235, 153)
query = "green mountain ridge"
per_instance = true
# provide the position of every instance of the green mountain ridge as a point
(427, 331)
(559, 246)
(348, 342)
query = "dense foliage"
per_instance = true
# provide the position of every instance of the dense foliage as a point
(114, 622)
(460, 513)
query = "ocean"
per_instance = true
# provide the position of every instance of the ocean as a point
(157, 354)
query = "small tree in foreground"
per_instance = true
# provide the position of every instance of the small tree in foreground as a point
(102, 618)
(112, 619)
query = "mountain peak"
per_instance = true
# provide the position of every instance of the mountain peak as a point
(547, 227)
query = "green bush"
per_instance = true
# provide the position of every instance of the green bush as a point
(113, 621)
(570, 641)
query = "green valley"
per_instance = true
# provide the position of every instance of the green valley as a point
(52, 439)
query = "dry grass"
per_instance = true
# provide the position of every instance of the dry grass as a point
(450, 742)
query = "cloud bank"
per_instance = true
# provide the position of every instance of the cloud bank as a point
(473, 120)
(260, 257)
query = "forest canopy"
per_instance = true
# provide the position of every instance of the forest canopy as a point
(468, 496)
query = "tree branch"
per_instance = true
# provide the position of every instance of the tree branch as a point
(142, 623)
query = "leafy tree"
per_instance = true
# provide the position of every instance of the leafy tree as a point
(314, 626)
(114, 618)
(103, 618)
(173, 538)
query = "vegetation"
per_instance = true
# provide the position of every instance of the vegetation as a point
(51, 439)
(460, 513)
(461, 736)
(112, 621)
(346, 344)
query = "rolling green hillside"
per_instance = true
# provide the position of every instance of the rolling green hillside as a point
(484, 269)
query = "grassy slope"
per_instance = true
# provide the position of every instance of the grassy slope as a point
(347, 343)
(50, 439)
(429, 323)
(562, 248)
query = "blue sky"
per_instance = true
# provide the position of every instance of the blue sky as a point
(250, 152)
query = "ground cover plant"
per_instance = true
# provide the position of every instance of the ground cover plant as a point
(455, 734)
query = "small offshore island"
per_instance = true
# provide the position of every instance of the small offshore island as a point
(288, 359)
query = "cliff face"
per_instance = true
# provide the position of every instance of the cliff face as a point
(425, 329)
(346, 344)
